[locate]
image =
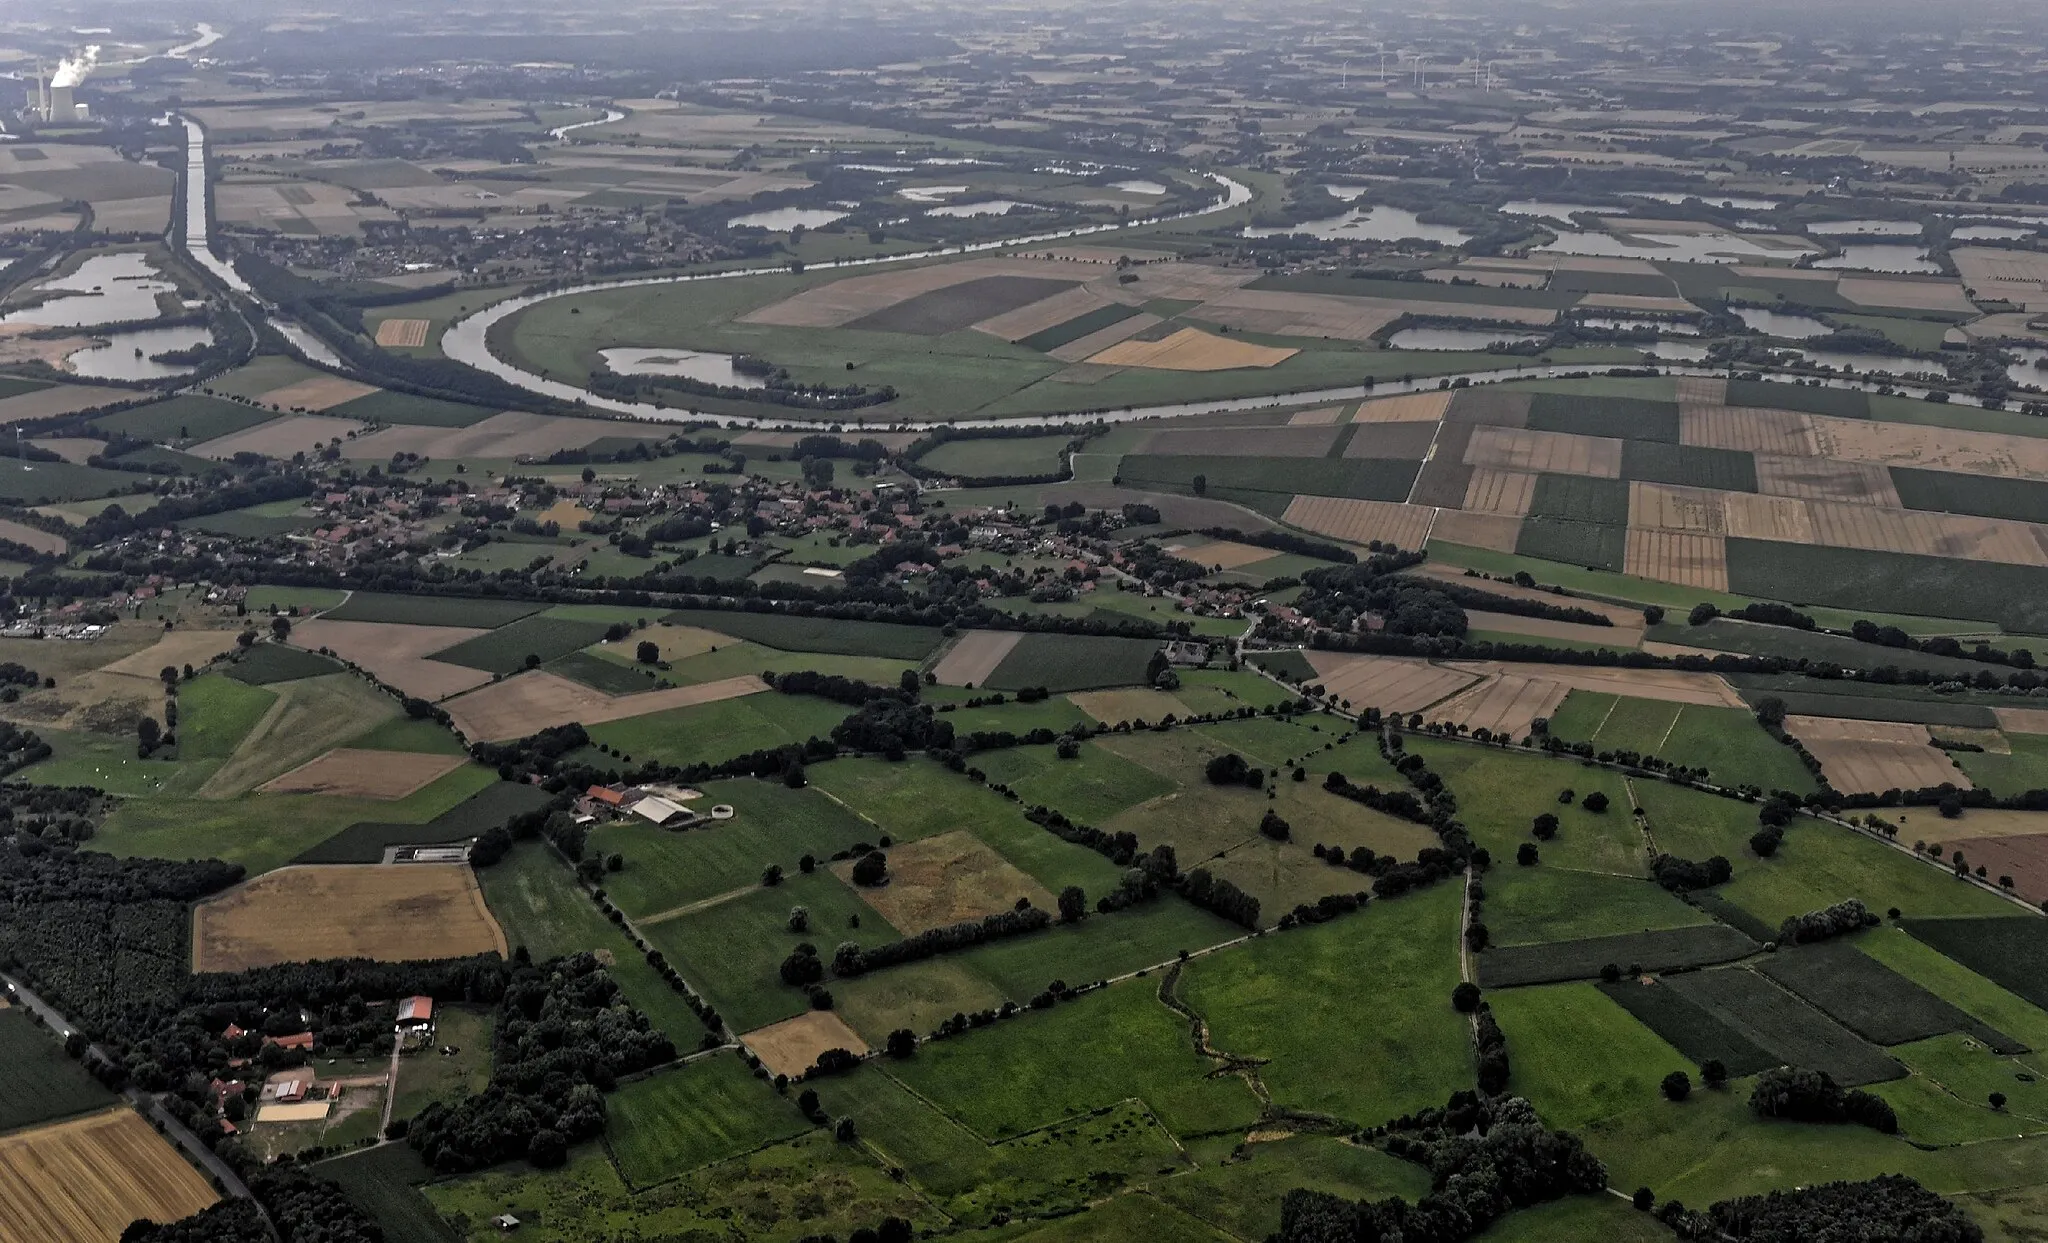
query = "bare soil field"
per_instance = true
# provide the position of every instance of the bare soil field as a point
(1507, 705)
(1410, 408)
(792, 1046)
(537, 700)
(1911, 295)
(936, 882)
(1560, 453)
(391, 913)
(1685, 557)
(280, 438)
(1316, 418)
(974, 656)
(1617, 637)
(2022, 720)
(1509, 492)
(77, 450)
(403, 333)
(316, 395)
(1498, 532)
(1281, 314)
(1934, 448)
(1043, 314)
(508, 435)
(1242, 441)
(1694, 390)
(348, 773)
(176, 649)
(1821, 479)
(1839, 525)
(1783, 432)
(84, 1180)
(2024, 858)
(1669, 685)
(1870, 757)
(1390, 683)
(1356, 522)
(34, 537)
(396, 654)
(1082, 348)
(1137, 704)
(1191, 349)
(1667, 507)
(2012, 275)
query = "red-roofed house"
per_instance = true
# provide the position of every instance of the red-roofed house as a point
(606, 795)
(416, 1014)
(304, 1040)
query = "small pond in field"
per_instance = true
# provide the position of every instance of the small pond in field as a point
(1781, 323)
(690, 364)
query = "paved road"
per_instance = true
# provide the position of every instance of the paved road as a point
(150, 1106)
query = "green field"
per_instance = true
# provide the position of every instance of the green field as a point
(1580, 498)
(1297, 998)
(771, 824)
(430, 1075)
(1615, 417)
(1242, 1196)
(675, 1120)
(41, 483)
(1595, 546)
(1500, 793)
(1090, 789)
(215, 713)
(491, 806)
(43, 1084)
(370, 606)
(184, 417)
(2025, 768)
(1526, 906)
(536, 900)
(1010, 455)
(1819, 865)
(382, 1181)
(709, 733)
(1067, 662)
(528, 641)
(2013, 596)
(1577, 1056)
(1268, 483)
(266, 663)
(1048, 339)
(815, 634)
(1727, 742)
(2006, 949)
(1688, 466)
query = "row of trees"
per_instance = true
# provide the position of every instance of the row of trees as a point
(1846, 916)
(1812, 1096)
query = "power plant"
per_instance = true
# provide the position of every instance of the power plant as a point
(54, 101)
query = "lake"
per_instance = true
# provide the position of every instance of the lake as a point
(1665, 327)
(126, 355)
(930, 194)
(1865, 228)
(987, 207)
(2032, 368)
(786, 219)
(1780, 323)
(1138, 187)
(106, 289)
(1370, 224)
(1990, 233)
(1457, 338)
(1880, 257)
(690, 364)
(1683, 247)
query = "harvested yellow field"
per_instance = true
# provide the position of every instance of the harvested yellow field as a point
(1491, 491)
(84, 1180)
(349, 773)
(1191, 349)
(175, 650)
(1768, 517)
(512, 434)
(1870, 757)
(1667, 507)
(1356, 522)
(1944, 295)
(1316, 418)
(537, 700)
(388, 912)
(1499, 532)
(1822, 479)
(1557, 453)
(1102, 338)
(1983, 822)
(1221, 554)
(2022, 720)
(792, 1046)
(1131, 704)
(1934, 448)
(840, 302)
(1695, 390)
(36, 537)
(1783, 432)
(1390, 683)
(1409, 408)
(1281, 314)
(2016, 276)
(936, 882)
(1043, 314)
(1839, 525)
(565, 513)
(1685, 557)
(1507, 705)
(315, 395)
(280, 438)
(974, 656)
(404, 334)
(1669, 685)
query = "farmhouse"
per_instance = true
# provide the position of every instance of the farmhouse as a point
(288, 1087)
(416, 1014)
(303, 1040)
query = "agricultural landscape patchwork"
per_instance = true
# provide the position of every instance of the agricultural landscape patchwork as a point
(1182, 622)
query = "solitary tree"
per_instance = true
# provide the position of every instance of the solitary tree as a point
(649, 652)
(1770, 711)
(1676, 1086)
(1525, 854)
(1595, 802)
(872, 869)
(1997, 1100)
(280, 627)
(799, 919)
(1714, 1073)
(1545, 827)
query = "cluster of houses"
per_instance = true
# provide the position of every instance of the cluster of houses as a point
(663, 805)
(296, 1094)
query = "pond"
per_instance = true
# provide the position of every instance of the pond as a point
(1664, 327)
(1370, 224)
(930, 194)
(1780, 323)
(1728, 202)
(127, 355)
(689, 364)
(1860, 363)
(106, 289)
(1676, 352)
(1880, 257)
(1457, 338)
(1138, 187)
(987, 207)
(878, 168)
(785, 219)
(2031, 371)
(1865, 228)
(1990, 233)
(1543, 209)
(1682, 247)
